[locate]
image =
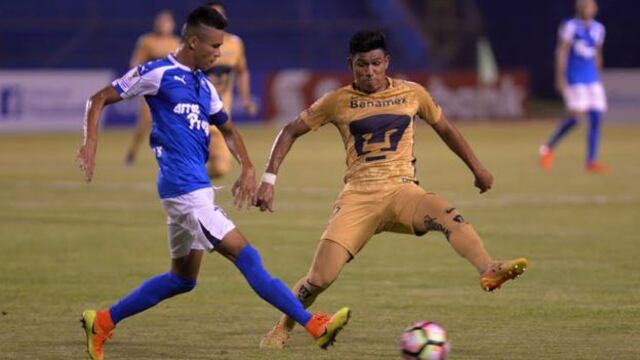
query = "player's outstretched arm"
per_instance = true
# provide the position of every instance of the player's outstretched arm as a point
(245, 187)
(279, 150)
(456, 142)
(86, 155)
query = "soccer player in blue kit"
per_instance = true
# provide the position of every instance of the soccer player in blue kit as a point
(183, 103)
(578, 68)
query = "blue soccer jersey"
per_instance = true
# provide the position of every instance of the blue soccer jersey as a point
(584, 40)
(183, 103)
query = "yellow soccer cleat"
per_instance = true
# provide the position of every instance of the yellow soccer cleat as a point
(500, 272)
(95, 338)
(276, 338)
(324, 329)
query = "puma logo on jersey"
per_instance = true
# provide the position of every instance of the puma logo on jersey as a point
(180, 78)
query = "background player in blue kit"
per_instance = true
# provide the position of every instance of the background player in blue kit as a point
(183, 103)
(578, 68)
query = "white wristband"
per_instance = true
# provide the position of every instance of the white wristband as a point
(268, 178)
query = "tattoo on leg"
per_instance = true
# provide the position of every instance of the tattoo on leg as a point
(304, 293)
(432, 224)
(458, 218)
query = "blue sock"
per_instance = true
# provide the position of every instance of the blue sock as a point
(593, 140)
(272, 290)
(561, 131)
(149, 294)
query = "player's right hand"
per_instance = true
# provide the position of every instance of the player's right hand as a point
(264, 197)
(86, 158)
(244, 188)
(484, 180)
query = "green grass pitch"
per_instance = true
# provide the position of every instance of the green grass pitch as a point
(66, 246)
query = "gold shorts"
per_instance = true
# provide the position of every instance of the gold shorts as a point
(406, 208)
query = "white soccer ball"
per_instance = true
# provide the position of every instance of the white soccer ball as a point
(425, 340)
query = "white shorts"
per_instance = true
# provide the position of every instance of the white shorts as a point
(194, 222)
(585, 97)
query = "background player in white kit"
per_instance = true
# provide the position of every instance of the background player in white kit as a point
(578, 69)
(183, 104)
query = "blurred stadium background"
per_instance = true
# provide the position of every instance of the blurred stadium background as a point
(297, 50)
(65, 246)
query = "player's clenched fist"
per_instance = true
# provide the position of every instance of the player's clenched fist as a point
(484, 180)
(264, 197)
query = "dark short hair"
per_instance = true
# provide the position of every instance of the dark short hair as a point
(367, 40)
(215, 3)
(204, 16)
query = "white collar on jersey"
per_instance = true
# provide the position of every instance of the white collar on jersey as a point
(178, 64)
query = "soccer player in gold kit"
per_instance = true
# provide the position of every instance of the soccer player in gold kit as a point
(151, 46)
(375, 117)
(231, 68)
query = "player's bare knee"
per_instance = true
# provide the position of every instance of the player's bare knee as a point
(232, 244)
(452, 222)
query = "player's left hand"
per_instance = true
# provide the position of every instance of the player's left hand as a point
(244, 188)
(86, 158)
(484, 180)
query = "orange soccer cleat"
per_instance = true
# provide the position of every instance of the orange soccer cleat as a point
(324, 329)
(500, 272)
(596, 168)
(546, 157)
(96, 336)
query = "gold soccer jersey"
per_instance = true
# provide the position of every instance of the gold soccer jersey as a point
(231, 60)
(377, 130)
(151, 46)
